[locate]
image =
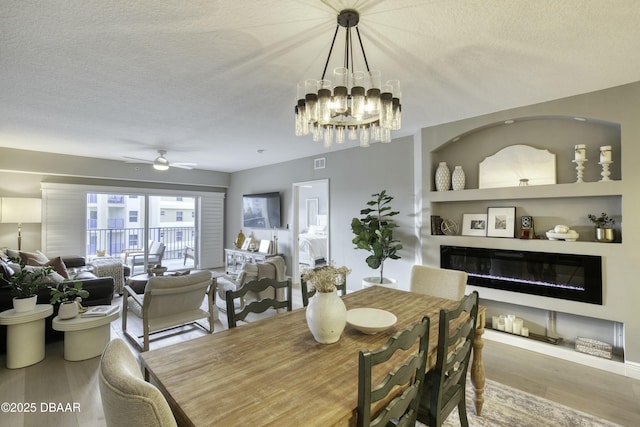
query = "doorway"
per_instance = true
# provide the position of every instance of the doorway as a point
(311, 231)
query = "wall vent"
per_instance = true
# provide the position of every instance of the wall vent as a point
(319, 163)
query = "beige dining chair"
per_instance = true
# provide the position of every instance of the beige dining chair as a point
(262, 287)
(445, 385)
(438, 282)
(409, 372)
(169, 302)
(127, 399)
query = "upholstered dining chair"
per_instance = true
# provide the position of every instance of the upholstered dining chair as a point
(169, 302)
(127, 399)
(308, 293)
(445, 385)
(401, 405)
(258, 287)
(438, 282)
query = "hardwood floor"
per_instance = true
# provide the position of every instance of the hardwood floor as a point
(62, 384)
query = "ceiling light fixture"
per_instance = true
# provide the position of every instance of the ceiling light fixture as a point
(161, 163)
(356, 102)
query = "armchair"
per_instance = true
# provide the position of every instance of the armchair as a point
(156, 252)
(169, 302)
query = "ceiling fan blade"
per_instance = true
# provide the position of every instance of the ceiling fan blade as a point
(136, 160)
(183, 165)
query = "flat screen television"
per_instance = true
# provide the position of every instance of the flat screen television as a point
(261, 210)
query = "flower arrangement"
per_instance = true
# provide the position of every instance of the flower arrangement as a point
(325, 278)
(602, 221)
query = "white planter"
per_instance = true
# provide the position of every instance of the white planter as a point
(375, 281)
(68, 310)
(326, 317)
(23, 305)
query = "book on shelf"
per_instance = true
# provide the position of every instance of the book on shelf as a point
(100, 310)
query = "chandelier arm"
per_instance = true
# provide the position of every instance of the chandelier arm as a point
(364, 55)
(330, 51)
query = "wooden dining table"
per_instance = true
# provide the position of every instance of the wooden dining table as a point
(272, 372)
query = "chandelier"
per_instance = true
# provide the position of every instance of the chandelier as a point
(356, 105)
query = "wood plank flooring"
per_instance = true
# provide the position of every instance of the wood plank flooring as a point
(56, 381)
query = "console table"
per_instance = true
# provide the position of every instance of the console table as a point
(235, 258)
(25, 335)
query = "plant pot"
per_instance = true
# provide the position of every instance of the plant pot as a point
(604, 235)
(68, 310)
(326, 317)
(23, 305)
(375, 281)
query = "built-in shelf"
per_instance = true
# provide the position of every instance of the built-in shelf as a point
(585, 189)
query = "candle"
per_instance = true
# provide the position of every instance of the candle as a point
(517, 326)
(494, 322)
(605, 153)
(508, 323)
(525, 331)
(501, 324)
(581, 152)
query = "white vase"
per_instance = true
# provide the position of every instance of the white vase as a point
(23, 305)
(443, 177)
(457, 179)
(68, 310)
(326, 317)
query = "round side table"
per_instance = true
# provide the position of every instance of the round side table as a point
(85, 337)
(25, 335)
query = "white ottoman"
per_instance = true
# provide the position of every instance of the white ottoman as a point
(85, 337)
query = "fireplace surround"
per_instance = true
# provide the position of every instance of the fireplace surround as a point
(565, 276)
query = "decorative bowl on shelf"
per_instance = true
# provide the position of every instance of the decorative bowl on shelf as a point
(570, 236)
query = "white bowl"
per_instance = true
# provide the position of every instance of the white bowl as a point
(370, 320)
(571, 236)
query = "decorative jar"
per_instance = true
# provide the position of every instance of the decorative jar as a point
(443, 177)
(326, 317)
(457, 179)
(68, 310)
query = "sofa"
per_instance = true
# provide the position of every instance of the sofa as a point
(101, 289)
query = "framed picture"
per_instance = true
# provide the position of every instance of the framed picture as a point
(501, 222)
(474, 225)
(246, 244)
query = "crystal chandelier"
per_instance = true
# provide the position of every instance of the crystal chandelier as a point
(356, 105)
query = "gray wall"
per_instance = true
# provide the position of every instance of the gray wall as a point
(354, 174)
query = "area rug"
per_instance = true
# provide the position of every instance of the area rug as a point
(505, 406)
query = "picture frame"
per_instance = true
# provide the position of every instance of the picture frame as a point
(474, 225)
(501, 222)
(265, 246)
(246, 244)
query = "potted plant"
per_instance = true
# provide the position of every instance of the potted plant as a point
(25, 284)
(374, 233)
(68, 294)
(604, 230)
(326, 313)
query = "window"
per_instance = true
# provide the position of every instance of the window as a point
(133, 241)
(178, 199)
(133, 216)
(179, 236)
(179, 216)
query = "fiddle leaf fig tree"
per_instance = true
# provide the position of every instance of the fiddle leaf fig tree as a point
(374, 231)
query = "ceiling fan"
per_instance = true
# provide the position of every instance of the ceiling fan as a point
(161, 163)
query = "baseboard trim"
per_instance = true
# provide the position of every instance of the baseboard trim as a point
(632, 370)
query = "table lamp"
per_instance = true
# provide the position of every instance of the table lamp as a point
(20, 210)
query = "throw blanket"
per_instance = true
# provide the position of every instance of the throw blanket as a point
(110, 267)
(280, 267)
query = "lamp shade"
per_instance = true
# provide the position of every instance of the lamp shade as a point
(21, 210)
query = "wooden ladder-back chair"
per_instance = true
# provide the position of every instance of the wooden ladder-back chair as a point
(445, 385)
(410, 370)
(258, 287)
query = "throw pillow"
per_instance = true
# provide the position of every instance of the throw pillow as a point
(52, 277)
(6, 272)
(57, 264)
(12, 253)
(38, 256)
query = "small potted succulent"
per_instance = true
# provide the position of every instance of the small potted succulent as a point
(69, 295)
(604, 230)
(24, 285)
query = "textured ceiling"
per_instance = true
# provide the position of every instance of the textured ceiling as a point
(214, 82)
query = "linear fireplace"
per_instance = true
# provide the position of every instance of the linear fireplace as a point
(565, 276)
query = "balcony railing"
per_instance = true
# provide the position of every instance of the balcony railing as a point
(115, 241)
(115, 199)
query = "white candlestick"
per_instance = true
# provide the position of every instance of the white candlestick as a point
(605, 153)
(517, 326)
(581, 152)
(508, 324)
(525, 331)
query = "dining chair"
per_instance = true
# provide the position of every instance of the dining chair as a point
(438, 282)
(169, 302)
(260, 305)
(127, 399)
(308, 293)
(445, 385)
(408, 373)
